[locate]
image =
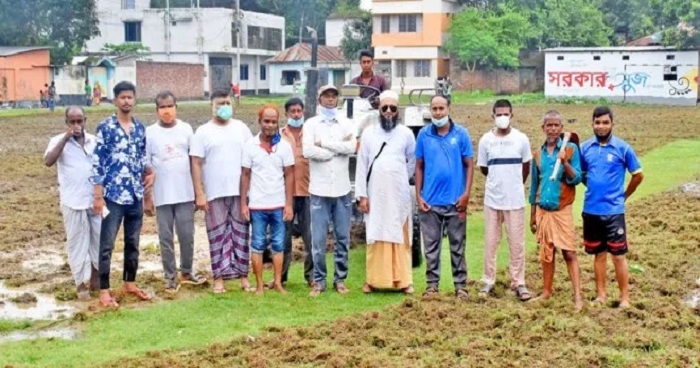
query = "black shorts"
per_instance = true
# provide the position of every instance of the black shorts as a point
(605, 234)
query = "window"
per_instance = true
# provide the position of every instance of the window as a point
(234, 35)
(263, 72)
(386, 24)
(289, 76)
(625, 57)
(421, 68)
(596, 57)
(401, 68)
(560, 57)
(132, 31)
(128, 4)
(407, 23)
(670, 57)
(264, 38)
(244, 72)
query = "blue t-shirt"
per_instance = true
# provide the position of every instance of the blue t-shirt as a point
(444, 177)
(604, 168)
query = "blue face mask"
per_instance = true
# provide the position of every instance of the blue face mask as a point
(224, 112)
(296, 123)
(441, 122)
(327, 113)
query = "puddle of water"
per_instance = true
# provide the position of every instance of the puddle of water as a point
(693, 299)
(59, 333)
(692, 189)
(43, 261)
(45, 308)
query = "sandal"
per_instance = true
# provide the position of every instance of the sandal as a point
(461, 294)
(486, 290)
(218, 290)
(522, 293)
(139, 294)
(172, 287)
(341, 288)
(111, 304)
(315, 291)
(431, 291)
(192, 279)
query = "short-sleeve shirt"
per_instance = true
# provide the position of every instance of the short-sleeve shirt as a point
(504, 156)
(604, 168)
(74, 171)
(119, 160)
(221, 148)
(444, 173)
(167, 150)
(267, 189)
(376, 81)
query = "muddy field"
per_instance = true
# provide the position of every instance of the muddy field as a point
(658, 330)
(31, 252)
(31, 229)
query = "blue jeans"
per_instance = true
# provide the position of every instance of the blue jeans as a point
(132, 215)
(260, 220)
(326, 210)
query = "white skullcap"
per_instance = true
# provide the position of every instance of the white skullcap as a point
(390, 95)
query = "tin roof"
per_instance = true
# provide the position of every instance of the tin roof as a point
(302, 52)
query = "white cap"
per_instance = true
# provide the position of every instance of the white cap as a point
(389, 94)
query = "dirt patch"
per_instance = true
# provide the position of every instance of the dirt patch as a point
(658, 330)
(24, 298)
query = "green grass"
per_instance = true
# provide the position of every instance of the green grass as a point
(6, 325)
(207, 318)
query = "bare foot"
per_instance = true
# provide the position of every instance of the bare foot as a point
(218, 286)
(245, 285)
(541, 298)
(599, 301)
(280, 289)
(259, 290)
(624, 304)
(578, 304)
(366, 288)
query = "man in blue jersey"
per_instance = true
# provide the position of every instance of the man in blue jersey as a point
(604, 160)
(444, 173)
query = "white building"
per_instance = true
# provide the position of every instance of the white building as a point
(653, 74)
(196, 35)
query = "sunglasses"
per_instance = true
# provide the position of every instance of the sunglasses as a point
(393, 108)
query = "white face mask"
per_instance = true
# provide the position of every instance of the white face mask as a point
(502, 122)
(328, 113)
(441, 122)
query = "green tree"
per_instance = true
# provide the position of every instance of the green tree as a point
(63, 25)
(685, 33)
(127, 48)
(487, 39)
(357, 36)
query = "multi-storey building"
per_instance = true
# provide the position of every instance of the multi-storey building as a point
(408, 38)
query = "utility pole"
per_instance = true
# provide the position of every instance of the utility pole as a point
(239, 27)
(167, 29)
(312, 77)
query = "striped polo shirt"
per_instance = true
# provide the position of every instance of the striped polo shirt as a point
(504, 156)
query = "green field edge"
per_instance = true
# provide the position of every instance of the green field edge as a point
(207, 319)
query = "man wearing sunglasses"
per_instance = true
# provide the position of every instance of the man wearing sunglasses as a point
(72, 150)
(385, 163)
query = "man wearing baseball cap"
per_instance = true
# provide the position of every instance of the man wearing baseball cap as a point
(328, 140)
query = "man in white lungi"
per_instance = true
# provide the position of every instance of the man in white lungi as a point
(385, 163)
(72, 151)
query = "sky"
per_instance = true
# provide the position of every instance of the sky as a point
(366, 4)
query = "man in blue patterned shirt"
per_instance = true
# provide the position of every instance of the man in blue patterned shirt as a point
(120, 176)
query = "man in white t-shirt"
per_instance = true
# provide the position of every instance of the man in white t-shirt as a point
(267, 189)
(217, 150)
(504, 158)
(72, 151)
(167, 149)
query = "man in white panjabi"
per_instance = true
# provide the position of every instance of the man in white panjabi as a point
(385, 163)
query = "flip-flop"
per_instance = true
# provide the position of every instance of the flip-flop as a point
(112, 304)
(218, 290)
(139, 294)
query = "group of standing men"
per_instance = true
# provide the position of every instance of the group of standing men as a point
(300, 175)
